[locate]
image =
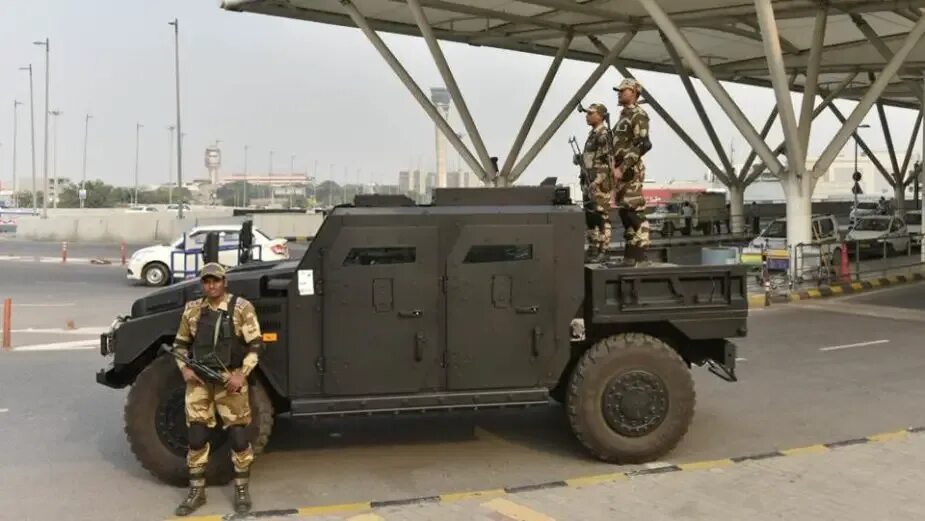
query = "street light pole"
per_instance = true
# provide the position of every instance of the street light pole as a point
(83, 177)
(47, 45)
(137, 147)
(176, 40)
(35, 195)
(170, 129)
(856, 163)
(244, 197)
(270, 180)
(16, 105)
(54, 160)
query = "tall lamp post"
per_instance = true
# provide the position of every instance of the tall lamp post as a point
(47, 45)
(35, 204)
(16, 105)
(82, 195)
(170, 129)
(857, 174)
(176, 41)
(138, 127)
(244, 197)
(54, 160)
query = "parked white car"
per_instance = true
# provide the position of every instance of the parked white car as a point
(862, 209)
(914, 225)
(140, 209)
(874, 232)
(158, 265)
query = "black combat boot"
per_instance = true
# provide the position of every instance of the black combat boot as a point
(196, 497)
(242, 495)
(641, 258)
(592, 254)
(630, 256)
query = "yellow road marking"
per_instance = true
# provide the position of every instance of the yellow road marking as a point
(333, 509)
(475, 494)
(366, 517)
(874, 283)
(888, 436)
(515, 511)
(857, 286)
(799, 451)
(814, 293)
(199, 518)
(707, 465)
(756, 300)
(837, 290)
(794, 296)
(594, 480)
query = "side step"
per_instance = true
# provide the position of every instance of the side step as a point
(423, 402)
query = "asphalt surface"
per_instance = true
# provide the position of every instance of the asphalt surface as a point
(823, 371)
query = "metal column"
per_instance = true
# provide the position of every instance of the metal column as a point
(451, 85)
(812, 78)
(915, 132)
(544, 138)
(415, 90)
(832, 150)
(711, 83)
(535, 107)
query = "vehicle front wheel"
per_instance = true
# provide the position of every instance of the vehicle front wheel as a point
(155, 425)
(630, 399)
(155, 274)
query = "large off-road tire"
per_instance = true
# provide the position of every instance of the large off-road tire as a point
(630, 399)
(155, 424)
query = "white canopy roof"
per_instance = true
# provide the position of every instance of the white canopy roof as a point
(724, 32)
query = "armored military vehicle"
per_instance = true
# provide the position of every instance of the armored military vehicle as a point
(479, 300)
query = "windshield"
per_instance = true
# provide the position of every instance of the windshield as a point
(867, 206)
(914, 218)
(872, 225)
(777, 230)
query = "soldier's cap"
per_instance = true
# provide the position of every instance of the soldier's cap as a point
(212, 269)
(599, 108)
(629, 83)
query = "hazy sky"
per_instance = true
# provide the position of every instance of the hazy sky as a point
(318, 92)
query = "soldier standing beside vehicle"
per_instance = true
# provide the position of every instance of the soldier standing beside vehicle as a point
(598, 190)
(220, 331)
(630, 143)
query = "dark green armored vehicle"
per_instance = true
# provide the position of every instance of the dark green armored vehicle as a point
(479, 300)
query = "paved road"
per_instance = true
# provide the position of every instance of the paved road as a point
(812, 373)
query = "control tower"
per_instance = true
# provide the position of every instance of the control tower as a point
(441, 98)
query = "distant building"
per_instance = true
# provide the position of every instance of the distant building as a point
(404, 181)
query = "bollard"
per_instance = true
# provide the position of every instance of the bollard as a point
(122, 251)
(7, 314)
(845, 264)
(64, 251)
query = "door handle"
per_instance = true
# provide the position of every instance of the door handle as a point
(420, 342)
(414, 313)
(537, 338)
(527, 310)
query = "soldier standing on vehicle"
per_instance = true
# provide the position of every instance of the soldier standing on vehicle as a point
(630, 143)
(220, 331)
(598, 190)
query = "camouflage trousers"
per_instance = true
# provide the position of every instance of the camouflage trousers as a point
(632, 206)
(202, 402)
(598, 196)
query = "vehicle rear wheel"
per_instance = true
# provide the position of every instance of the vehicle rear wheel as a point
(155, 425)
(631, 398)
(155, 274)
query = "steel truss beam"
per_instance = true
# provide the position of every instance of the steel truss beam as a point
(711, 83)
(908, 178)
(863, 144)
(450, 81)
(698, 106)
(415, 90)
(518, 144)
(569, 107)
(765, 130)
(888, 137)
(864, 105)
(772, 49)
(670, 121)
(812, 77)
(914, 88)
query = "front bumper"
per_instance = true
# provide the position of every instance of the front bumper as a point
(112, 376)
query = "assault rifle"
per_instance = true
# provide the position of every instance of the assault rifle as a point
(205, 373)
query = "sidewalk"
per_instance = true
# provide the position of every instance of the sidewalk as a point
(875, 478)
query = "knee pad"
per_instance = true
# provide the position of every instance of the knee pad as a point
(238, 436)
(198, 436)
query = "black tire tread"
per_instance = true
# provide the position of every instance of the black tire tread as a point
(615, 346)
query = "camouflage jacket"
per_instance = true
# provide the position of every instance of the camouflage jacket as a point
(598, 151)
(630, 137)
(245, 321)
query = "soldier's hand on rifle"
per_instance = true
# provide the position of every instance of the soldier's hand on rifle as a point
(190, 376)
(235, 382)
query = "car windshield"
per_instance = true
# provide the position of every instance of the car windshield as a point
(914, 218)
(873, 225)
(867, 206)
(777, 230)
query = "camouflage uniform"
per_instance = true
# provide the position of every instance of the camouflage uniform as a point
(630, 142)
(204, 334)
(598, 190)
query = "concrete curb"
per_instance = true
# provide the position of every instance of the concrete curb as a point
(836, 290)
(367, 506)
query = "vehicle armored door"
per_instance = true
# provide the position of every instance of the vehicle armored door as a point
(381, 288)
(500, 306)
(228, 247)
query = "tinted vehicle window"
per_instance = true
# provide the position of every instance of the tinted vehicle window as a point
(872, 225)
(914, 218)
(380, 255)
(498, 253)
(826, 227)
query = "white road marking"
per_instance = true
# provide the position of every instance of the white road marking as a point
(60, 346)
(62, 305)
(4, 410)
(849, 346)
(62, 331)
(741, 359)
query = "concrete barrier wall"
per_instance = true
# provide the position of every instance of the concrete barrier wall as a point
(141, 228)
